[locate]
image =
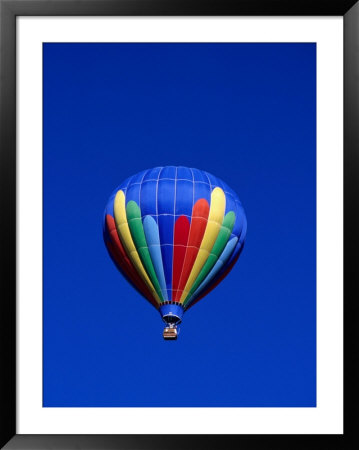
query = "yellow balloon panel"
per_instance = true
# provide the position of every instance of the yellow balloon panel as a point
(124, 233)
(215, 219)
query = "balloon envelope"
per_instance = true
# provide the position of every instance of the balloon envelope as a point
(174, 233)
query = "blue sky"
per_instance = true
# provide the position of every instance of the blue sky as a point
(247, 114)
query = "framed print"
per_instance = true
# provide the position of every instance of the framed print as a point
(175, 180)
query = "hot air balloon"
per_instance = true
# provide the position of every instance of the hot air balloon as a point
(174, 233)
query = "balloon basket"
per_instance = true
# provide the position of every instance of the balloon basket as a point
(170, 333)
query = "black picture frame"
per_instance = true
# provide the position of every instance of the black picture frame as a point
(9, 10)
